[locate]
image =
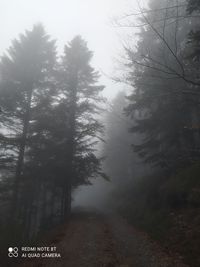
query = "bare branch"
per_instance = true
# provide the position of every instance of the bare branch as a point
(180, 17)
(164, 41)
(140, 12)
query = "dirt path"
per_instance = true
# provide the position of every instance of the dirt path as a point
(92, 239)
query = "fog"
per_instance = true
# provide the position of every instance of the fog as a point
(63, 20)
(100, 107)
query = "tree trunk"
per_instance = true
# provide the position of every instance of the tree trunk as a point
(20, 162)
(71, 145)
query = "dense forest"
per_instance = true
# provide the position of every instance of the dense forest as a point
(57, 131)
(156, 186)
(48, 130)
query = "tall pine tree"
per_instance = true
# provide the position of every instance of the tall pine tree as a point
(81, 98)
(26, 79)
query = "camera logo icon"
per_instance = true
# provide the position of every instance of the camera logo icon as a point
(13, 252)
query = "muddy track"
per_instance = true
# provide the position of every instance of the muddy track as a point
(92, 239)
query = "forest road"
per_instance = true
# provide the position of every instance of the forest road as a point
(94, 239)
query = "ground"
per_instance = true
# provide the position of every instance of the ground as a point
(96, 239)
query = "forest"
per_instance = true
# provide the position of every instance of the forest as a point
(59, 133)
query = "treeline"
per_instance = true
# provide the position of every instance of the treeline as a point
(48, 131)
(164, 71)
(160, 119)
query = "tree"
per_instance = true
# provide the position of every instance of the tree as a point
(49, 129)
(162, 103)
(81, 99)
(159, 18)
(120, 163)
(26, 78)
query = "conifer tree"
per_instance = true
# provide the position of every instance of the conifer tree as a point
(26, 79)
(81, 98)
(162, 103)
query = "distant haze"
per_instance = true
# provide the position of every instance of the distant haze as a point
(63, 20)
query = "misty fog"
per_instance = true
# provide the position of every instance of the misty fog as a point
(100, 133)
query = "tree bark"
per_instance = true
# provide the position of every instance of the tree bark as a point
(20, 161)
(71, 145)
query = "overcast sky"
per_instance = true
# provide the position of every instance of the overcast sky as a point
(63, 19)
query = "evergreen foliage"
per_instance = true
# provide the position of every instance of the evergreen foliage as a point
(49, 130)
(164, 104)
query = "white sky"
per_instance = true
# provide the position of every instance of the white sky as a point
(63, 19)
